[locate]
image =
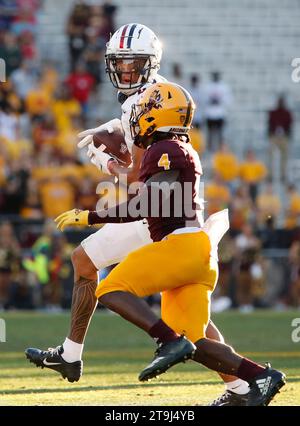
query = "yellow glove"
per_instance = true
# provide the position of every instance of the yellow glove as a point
(73, 217)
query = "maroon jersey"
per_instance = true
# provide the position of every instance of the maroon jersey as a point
(173, 155)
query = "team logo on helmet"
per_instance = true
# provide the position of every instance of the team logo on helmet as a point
(155, 101)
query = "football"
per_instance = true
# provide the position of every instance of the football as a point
(113, 144)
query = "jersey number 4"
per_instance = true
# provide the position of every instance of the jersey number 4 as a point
(164, 162)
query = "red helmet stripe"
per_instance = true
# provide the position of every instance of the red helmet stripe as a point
(123, 36)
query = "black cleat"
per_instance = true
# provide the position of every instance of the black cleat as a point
(230, 399)
(167, 355)
(52, 359)
(265, 386)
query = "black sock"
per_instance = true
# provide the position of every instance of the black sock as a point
(162, 332)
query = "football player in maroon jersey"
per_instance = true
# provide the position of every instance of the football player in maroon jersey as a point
(182, 262)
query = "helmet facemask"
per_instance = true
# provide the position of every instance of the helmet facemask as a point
(142, 141)
(129, 72)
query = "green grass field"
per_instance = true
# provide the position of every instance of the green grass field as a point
(115, 352)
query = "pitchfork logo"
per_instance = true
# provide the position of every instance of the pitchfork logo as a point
(155, 101)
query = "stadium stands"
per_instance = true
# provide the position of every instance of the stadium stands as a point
(252, 44)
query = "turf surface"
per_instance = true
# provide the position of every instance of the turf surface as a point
(116, 351)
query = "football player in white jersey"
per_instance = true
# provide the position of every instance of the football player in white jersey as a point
(132, 59)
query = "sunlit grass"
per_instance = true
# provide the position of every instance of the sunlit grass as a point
(115, 352)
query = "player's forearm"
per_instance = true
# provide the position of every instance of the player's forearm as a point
(117, 214)
(131, 173)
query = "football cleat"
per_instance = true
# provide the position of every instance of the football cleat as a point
(265, 386)
(167, 355)
(229, 398)
(52, 358)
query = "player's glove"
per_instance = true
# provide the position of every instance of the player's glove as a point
(87, 135)
(100, 159)
(73, 217)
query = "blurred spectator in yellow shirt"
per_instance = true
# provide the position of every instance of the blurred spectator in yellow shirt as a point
(293, 208)
(49, 78)
(217, 195)
(19, 148)
(268, 204)
(197, 140)
(252, 171)
(225, 163)
(38, 101)
(67, 139)
(57, 196)
(241, 208)
(65, 108)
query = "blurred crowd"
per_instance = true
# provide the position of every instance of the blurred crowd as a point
(41, 113)
(42, 173)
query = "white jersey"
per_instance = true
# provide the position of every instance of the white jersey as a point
(126, 110)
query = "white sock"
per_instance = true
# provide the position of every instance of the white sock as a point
(238, 386)
(72, 350)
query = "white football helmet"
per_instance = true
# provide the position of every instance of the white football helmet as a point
(132, 57)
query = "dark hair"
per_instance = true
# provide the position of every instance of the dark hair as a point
(159, 136)
(145, 141)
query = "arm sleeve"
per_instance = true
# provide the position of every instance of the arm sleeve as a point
(121, 213)
(117, 214)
